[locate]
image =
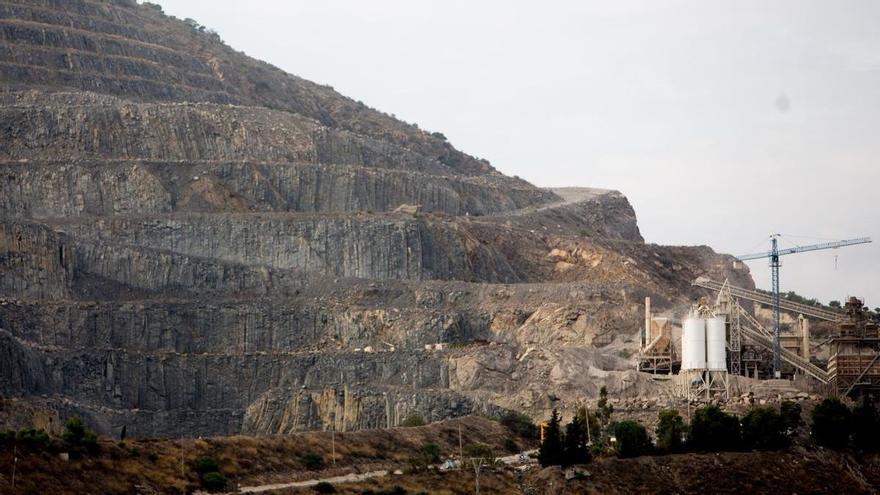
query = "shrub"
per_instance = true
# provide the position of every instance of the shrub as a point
(214, 481)
(207, 465)
(670, 430)
(866, 427)
(35, 438)
(790, 413)
(632, 439)
(74, 430)
(394, 490)
(520, 424)
(312, 460)
(76, 434)
(551, 451)
(510, 446)
(764, 429)
(431, 452)
(324, 487)
(479, 450)
(712, 429)
(603, 408)
(413, 420)
(831, 424)
(439, 135)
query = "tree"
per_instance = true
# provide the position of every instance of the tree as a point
(834, 304)
(480, 450)
(76, 433)
(670, 429)
(431, 452)
(632, 439)
(551, 451)
(591, 423)
(712, 430)
(603, 408)
(866, 427)
(214, 481)
(413, 420)
(831, 424)
(324, 487)
(312, 460)
(575, 449)
(764, 429)
(520, 424)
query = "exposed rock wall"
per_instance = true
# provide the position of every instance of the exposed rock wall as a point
(193, 242)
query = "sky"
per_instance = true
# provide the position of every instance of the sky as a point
(722, 122)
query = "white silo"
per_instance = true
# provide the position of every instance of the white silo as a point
(716, 344)
(693, 344)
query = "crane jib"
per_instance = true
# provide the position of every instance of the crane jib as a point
(801, 249)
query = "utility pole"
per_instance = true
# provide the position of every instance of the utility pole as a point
(478, 463)
(460, 449)
(333, 438)
(14, 463)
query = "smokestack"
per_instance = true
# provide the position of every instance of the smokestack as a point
(805, 336)
(647, 329)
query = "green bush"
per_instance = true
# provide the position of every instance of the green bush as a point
(214, 481)
(510, 446)
(790, 413)
(603, 408)
(670, 430)
(712, 430)
(74, 430)
(394, 490)
(312, 460)
(866, 427)
(764, 429)
(413, 420)
(324, 487)
(431, 452)
(76, 434)
(520, 424)
(479, 450)
(831, 424)
(632, 439)
(38, 439)
(206, 465)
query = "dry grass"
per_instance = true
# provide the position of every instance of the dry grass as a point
(168, 466)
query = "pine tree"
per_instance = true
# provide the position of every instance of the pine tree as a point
(551, 452)
(603, 409)
(575, 443)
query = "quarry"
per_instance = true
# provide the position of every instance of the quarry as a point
(195, 244)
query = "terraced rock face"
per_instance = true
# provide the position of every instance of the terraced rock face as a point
(193, 242)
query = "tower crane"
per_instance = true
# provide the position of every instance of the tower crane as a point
(774, 255)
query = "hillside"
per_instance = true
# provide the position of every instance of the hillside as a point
(193, 242)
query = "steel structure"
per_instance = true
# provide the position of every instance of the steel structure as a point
(774, 255)
(743, 325)
(760, 297)
(854, 364)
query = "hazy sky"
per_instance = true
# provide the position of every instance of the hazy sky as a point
(723, 122)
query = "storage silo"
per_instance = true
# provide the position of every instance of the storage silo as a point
(716, 344)
(693, 344)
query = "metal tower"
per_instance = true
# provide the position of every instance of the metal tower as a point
(774, 255)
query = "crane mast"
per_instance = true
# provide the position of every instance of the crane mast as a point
(774, 255)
